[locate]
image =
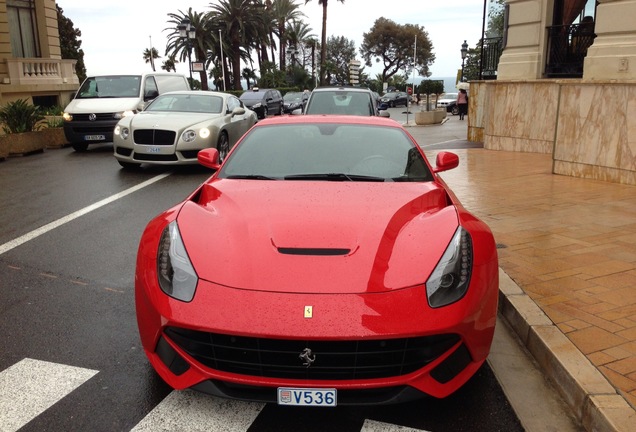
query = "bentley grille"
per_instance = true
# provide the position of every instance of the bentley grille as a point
(154, 136)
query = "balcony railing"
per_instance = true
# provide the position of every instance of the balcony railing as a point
(29, 71)
(567, 48)
(490, 58)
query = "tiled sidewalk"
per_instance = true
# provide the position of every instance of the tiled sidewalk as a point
(569, 243)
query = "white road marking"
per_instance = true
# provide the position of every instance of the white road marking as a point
(61, 221)
(29, 387)
(194, 412)
(376, 426)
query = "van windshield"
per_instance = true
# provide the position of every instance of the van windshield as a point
(115, 86)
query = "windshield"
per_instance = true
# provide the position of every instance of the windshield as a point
(116, 86)
(187, 103)
(330, 152)
(341, 102)
(293, 97)
(252, 96)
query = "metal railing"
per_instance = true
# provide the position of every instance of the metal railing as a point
(567, 48)
(492, 50)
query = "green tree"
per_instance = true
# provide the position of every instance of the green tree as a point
(170, 64)
(340, 52)
(205, 40)
(392, 45)
(70, 44)
(242, 22)
(249, 75)
(496, 19)
(284, 12)
(150, 54)
(323, 44)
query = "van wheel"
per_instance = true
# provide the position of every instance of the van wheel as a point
(223, 146)
(130, 166)
(80, 146)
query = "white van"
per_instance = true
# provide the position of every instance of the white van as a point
(103, 100)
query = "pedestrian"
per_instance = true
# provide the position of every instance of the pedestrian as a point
(462, 103)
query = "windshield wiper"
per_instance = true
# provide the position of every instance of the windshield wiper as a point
(334, 177)
(250, 177)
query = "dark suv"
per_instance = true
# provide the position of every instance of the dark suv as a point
(343, 101)
(263, 102)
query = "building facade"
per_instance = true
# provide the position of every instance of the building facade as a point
(566, 85)
(31, 65)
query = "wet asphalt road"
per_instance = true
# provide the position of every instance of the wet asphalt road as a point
(66, 297)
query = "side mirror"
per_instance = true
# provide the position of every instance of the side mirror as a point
(384, 113)
(445, 161)
(238, 111)
(297, 111)
(209, 158)
(150, 95)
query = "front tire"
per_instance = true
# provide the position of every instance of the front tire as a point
(80, 146)
(223, 146)
(455, 110)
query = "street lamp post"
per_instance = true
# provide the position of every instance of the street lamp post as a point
(464, 51)
(188, 32)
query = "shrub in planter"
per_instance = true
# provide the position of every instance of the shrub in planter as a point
(20, 116)
(20, 123)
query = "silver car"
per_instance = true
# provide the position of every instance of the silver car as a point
(176, 125)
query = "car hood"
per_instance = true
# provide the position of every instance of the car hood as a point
(102, 105)
(317, 237)
(163, 120)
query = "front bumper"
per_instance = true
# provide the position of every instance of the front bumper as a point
(161, 147)
(217, 342)
(86, 131)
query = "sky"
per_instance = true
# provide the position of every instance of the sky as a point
(116, 32)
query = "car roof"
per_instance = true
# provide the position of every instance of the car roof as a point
(330, 118)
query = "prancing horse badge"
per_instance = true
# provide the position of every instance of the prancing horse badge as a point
(309, 311)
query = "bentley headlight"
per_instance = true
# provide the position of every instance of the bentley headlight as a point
(176, 275)
(123, 132)
(189, 136)
(204, 133)
(451, 277)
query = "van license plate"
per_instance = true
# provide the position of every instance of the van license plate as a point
(307, 396)
(94, 137)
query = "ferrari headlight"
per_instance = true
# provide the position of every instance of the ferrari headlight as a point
(176, 275)
(449, 281)
(189, 136)
(123, 132)
(204, 133)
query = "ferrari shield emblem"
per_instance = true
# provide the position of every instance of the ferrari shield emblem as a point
(309, 311)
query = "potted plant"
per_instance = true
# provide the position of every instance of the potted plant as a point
(53, 128)
(20, 123)
(429, 87)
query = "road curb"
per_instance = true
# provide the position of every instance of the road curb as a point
(593, 400)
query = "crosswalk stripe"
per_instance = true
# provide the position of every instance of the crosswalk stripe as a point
(30, 386)
(194, 412)
(376, 426)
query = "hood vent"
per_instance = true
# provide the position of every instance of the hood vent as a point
(314, 251)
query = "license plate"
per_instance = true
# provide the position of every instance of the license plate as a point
(307, 396)
(94, 137)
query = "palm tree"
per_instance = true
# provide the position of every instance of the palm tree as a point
(298, 35)
(323, 44)
(241, 21)
(284, 12)
(205, 40)
(170, 64)
(150, 54)
(249, 74)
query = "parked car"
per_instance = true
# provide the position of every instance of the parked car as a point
(293, 101)
(394, 99)
(176, 125)
(448, 101)
(263, 102)
(364, 280)
(343, 101)
(101, 101)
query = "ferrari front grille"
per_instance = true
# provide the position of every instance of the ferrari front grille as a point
(329, 360)
(154, 136)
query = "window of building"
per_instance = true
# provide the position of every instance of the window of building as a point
(23, 28)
